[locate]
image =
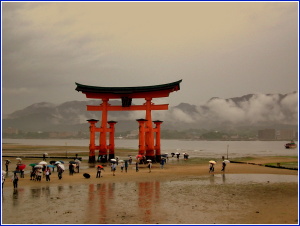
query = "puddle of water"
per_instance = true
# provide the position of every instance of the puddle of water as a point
(239, 179)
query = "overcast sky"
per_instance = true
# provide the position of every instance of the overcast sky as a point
(219, 49)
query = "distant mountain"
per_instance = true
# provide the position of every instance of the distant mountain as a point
(253, 110)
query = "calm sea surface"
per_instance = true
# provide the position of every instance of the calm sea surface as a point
(193, 148)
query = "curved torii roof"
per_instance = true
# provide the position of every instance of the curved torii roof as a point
(154, 91)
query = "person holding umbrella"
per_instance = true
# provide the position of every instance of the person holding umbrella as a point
(126, 165)
(6, 164)
(15, 180)
(211, 166)
(48, 173)
(224, 165)
(99, 168)
(113, 166)
(149, 165)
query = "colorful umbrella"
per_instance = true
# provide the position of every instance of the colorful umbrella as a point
(21, 166)
(100, 166)
(51, 166)
(32, 164)
(139, 156)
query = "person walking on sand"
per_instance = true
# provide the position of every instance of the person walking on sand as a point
(48, 173)
(98, 175)
(162, 163)
(223, 166)
(60, 171)
(149, 165)
(3, 180)
(113, 168)
(15, 180)
(6, 164)
(211, 167)
(126, 165)
(122, 166)
(137, 166)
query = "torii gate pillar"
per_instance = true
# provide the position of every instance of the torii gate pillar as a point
(157, 139)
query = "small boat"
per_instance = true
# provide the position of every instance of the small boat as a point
(290, 145)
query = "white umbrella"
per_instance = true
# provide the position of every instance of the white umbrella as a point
(3, 172)
(226, 161)
(213, 162)
(113, 160)
(38, 166)
(43, 163)
(45, 153)
(57, 162)
(78, 161)
(19, 159)
(61, 166)
(121, 160)
(149, 160)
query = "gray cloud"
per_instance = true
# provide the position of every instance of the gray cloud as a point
(218, 49)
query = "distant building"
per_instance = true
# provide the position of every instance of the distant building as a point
(286, 134)
(10, 130)
(267, 134)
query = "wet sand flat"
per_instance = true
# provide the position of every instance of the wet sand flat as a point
(181, 193)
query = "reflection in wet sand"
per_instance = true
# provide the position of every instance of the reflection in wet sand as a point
(123, 203)
(149, 193)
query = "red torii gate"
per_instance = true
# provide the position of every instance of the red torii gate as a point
(126, 94)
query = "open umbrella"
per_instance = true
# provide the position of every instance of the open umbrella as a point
(213, 162)
(77, 161)
(19, 159)
(113, 160)
(21, 166)
(61, 166)
(32, 164)
(72, 162)
(62, 161)
(226, 161)
(3, 172)
(51, 166)
(139, 156)
(86, 175)
(57, 162)
(43, 163)
(121, 160)
(149, 160)
(100, 166)
(38, 166)
(52, 162)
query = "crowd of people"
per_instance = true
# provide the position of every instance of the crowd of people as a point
(37, 173)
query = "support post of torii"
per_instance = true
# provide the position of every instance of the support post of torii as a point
(92, 146)
(157, 140)
(111, 145)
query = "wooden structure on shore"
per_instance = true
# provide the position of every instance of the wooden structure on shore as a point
(147, 146)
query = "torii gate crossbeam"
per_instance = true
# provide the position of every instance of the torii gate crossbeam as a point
(126, 94)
